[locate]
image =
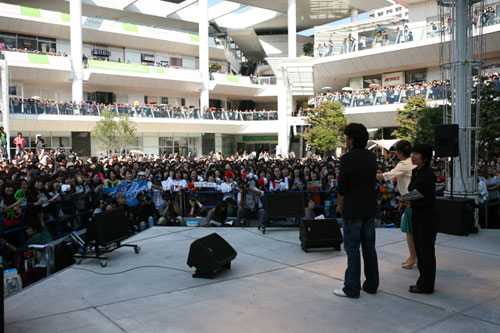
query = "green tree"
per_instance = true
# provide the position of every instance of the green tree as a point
(114, 132)
(489, 117)
(417, 120)
(308, 49)
(327, 125)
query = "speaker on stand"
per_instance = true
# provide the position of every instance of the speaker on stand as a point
(456, 216)
(446, 145)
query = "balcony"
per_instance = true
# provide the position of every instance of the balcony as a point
(64, 116)
(237, 85)
(37, 67)
(391, 51)
(135, 75)
(26, 20)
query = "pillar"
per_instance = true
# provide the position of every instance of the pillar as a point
(75, 12)
(203, 53)
(354, 18)
(283, 106)
(292, 29)
(5, 104)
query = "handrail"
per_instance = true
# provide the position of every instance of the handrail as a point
(144, 111)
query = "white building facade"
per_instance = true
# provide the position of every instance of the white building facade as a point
(163, 63)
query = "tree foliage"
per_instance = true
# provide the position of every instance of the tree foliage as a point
(114, 132)
(417, 121)
(489, 116)
(327, 125)
(308, 49)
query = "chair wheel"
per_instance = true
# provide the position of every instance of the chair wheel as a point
(137, 249)
(104, 263)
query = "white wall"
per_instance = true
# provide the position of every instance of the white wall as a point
(420, 11)
(63, 46)
(133, 56)
(433, 73)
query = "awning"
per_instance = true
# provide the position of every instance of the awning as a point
(386, 144)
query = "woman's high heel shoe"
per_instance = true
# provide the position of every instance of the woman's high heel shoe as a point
(409, 264)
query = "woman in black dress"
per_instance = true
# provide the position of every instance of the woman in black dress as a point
(424, 218)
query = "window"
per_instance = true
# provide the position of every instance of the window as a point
(9, 40)
(380, 14)
(416, 75)
(369, 79)
(164, 100)
(389, 12)
(398, 9)
(47, 46)
(26, 42)
(177, 62)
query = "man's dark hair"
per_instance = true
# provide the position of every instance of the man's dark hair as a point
(425, 150)
(404, 147)
(358, 133)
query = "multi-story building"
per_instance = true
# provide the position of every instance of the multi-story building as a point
(165, 62)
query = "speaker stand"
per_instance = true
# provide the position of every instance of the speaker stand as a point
(451, 180)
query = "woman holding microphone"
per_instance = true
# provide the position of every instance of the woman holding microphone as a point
(402, 172)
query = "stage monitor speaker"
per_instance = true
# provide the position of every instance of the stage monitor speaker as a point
(446, 140)
(209, 254)
(456, 216)
(320, 234)
(285, 204)
(108, 227)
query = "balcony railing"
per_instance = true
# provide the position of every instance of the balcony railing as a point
(392, 35)
(145, 111)
(379, 97)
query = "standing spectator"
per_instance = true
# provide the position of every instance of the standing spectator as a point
(357, 204)
(20, 143)
(40, 146)
(3, 141)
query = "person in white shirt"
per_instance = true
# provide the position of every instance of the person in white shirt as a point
(176, 184)
(402, 173)
(278, 183)
(227, 186)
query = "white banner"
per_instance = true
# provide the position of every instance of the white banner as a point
(393, 79)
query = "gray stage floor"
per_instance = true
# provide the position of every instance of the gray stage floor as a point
(272, 287)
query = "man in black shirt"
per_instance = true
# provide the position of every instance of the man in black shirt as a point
(357, 206)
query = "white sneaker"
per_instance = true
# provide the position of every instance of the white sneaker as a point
(339, 292)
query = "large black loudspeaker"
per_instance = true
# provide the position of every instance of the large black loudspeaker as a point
(446, 140)
(209, 254)
(285, 204)
(456, 216)
(320, 234)
(108, 227)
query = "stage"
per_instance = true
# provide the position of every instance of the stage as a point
(273, 286)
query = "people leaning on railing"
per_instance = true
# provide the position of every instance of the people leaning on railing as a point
(42, 106)
(430, 90)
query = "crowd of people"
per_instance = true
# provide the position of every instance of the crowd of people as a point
(50, 52)
(51, 193)
(377, 95)
(90, 108)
